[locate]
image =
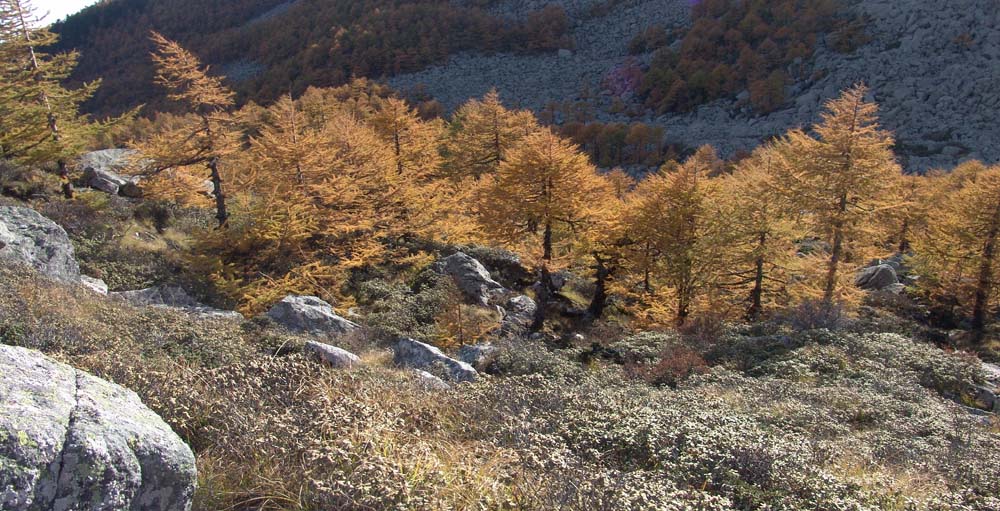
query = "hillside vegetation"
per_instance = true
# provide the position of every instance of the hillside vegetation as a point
(344, 299)
(272, 47)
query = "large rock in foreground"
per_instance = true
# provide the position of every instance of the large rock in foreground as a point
(470, 276)
(309, 314)
(28, 237)
(417, 355)
(71, 441)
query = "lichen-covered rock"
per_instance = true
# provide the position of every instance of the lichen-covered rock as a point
(95, 285)
(429, 381)
(332, 355)
(417, 355)
(71, 441)
(470, 276)
(310, 314)
(876, 278)
(520, 310)
(477, 355)
(28, 237)
(172, 297)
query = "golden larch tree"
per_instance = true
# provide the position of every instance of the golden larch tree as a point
(843, 178)
(207, 138)
(544, 197)
(958, 255)
(482, 133)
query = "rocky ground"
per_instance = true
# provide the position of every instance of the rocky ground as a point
(123, 400)
(934, 68)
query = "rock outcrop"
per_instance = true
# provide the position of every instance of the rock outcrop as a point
(309, 314)
(471, 277)
(332, 355)
(71, 441)
(173, 297)
(417, 355)
(28, 237)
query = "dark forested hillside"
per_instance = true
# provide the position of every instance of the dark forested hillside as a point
(269, 47)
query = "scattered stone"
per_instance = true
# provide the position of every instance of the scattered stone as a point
(470, 276)
(28, 237)
(71, 441)
(876, 278)
(417, 355)
(332, 355)
(101, 171)
(309, 314)
(477, 355)
(95, 285)
(429, 381)
(172, 297)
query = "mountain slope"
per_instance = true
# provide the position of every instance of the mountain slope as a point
(934, 68)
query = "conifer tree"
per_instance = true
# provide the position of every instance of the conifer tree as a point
(39, 118)
(960, 253)
(759, 228)
(544, 197)
(843, 178)
(482, 132)
(205, 141)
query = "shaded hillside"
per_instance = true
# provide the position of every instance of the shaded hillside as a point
(933, 68)
(268, 47)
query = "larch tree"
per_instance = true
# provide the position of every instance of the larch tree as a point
(959, 254)
(671, 214)
(208, 138)
(760, 229)
(39, 117)
(843, 177)
(544, 197)
(482, 133)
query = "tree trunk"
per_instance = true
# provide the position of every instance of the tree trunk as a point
(220, 199)
(600, 299)
(984, 283)
(683, 307)
(904, 241)
(543, 298)
(753, 313)
(547, 243)
(836, 251)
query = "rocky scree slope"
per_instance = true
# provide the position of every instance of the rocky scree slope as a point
(933, 67)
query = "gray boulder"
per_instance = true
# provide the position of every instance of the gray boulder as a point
(332, 355)
(101, 170)
(96, 285)
(29, 238)
(520, 310)
(71, 441)
(477, 355)
(417, 355)
(310, 314)
(172, 297)
(429, 381)
(470, 276)
(876, 278)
